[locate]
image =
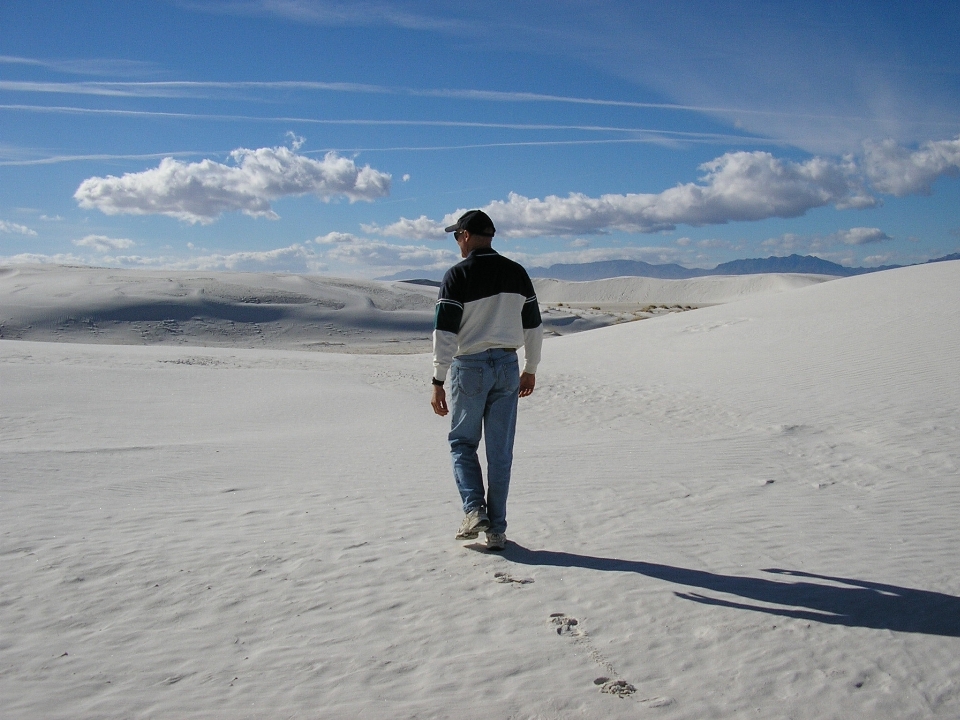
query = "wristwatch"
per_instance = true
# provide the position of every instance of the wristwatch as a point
(438, 383)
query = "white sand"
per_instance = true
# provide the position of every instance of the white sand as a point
(748, 509)
(710, 290)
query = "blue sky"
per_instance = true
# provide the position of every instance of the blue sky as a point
(340, 137)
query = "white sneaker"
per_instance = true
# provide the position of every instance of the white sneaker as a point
(496, 541)
(475, 522)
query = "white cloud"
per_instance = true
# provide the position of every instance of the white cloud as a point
(294, 258)
(788, 242)
(713, 243)
(336, 252)
(874, 260)
(896, 170)
(861, 236)
(296, 141)
(104, 244)
(737, 186)
(423, 228)
(818, 244)
(684, 241)
(15, 229)
(35, 259)
(353, 250)
(199, 192)
(334, 238)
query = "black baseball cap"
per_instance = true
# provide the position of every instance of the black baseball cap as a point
(474, 221)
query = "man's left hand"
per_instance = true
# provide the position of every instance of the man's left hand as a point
(527, 382)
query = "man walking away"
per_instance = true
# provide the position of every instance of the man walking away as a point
(487, 308)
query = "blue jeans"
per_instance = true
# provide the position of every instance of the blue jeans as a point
(484, 390)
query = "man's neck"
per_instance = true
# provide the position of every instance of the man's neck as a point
(473, 244)
(484, 250)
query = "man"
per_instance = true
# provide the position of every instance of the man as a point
(486, 309)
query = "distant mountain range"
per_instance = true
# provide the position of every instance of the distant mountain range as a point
(805, 264)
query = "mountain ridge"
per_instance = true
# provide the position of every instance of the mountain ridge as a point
(601, 270)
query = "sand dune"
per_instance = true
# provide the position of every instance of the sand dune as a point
(302, 312)
(711, 290)
(226, 309)
(746, 510)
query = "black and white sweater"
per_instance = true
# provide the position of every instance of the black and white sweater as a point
(487, 301)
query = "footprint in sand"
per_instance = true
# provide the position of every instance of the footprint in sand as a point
(621, 688)
(566, 625)
(612, 684)
(502, 577)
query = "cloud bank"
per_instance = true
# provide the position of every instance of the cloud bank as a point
(296, 258)
(422, 228)
(735, 187)
(104, 244)
(334, 252)
(293, 258)
(860, 236)
(16, 229)
(200, 192)
(823, 245)
(352, 250)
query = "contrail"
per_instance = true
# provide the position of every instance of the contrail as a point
(679, 134)
(55, 159)
(184, 88)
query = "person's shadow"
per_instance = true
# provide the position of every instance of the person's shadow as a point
(854, 603)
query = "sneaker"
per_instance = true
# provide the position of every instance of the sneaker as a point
(496, 541)
(473, 524)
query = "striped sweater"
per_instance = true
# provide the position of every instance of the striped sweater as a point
(487, 301)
